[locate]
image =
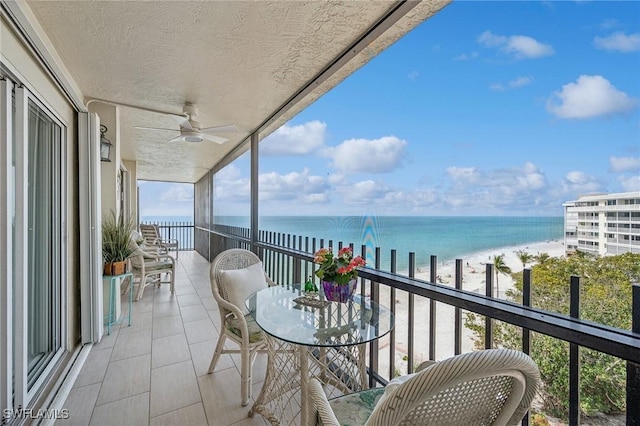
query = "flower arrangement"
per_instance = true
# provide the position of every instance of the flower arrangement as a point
(340, 269)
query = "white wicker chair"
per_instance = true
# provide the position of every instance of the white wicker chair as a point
(151, 235)
(489, 387)
(151, 264)
(235, 324)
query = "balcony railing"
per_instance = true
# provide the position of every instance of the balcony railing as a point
(182, 231)
(288, 259)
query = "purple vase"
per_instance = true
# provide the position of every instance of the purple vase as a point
(339, 293)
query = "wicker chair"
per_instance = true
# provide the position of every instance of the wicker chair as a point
(489, 387)
(237, 324)
(148, 266)
(151, 235)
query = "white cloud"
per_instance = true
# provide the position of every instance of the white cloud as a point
(590, 96)
(520, 82)
(577, 182)
(517, 46)
(516, 83)
(363, 192)
(367, 155)
(469, 174)
(630, 183)
(609, 24)
(178, 193)
(466, 56)
(622, 164)
(301, 186)
(619, 42)
(295, 140)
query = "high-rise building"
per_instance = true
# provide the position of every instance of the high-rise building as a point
(603, 224)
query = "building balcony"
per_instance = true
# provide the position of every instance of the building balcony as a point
(155, 371)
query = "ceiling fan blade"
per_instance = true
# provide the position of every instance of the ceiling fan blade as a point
(176, 139)
(183, 122)
(220, 129)
(212, 138)
(155, 128)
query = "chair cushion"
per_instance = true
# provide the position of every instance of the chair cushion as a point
(255, 332)
(355, 408)
(239, 284)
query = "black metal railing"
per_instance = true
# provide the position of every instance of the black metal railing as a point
(289, 259)
(181, 231)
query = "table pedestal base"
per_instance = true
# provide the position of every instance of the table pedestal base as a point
(283, 398)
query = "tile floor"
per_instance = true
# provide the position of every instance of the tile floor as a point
(155, 371)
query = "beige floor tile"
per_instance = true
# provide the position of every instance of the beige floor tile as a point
(169, 350)
(221, 397)
(132, 344)
(165, 309)
(209, 303)
(192, 415)
(167, 326)
(108, 340)
(125, 378)
(256, 420)
(80, 403)
(173, 387)
(189, 300)
(199, 331)
(163, 295)
(204, 291)
(131, 411)
(142, 305)
(94, 368)
(201, 354)
(184, 289)
(193, 313)
(139, 321)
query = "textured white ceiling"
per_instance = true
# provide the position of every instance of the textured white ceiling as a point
(239, 61)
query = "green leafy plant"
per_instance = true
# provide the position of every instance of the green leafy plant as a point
(116, 238)
(605, 298)
(340, 269)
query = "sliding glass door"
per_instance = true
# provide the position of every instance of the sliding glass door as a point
(44, 316)
(33, 211)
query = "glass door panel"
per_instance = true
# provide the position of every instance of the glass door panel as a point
(44, 241)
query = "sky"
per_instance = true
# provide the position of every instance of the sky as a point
(487, 108)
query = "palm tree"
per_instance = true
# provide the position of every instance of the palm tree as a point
(500, 268)
(541, 257)
(524, 257)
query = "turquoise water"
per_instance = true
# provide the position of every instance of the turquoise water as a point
(448, 237)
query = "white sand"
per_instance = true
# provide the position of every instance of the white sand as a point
(473, 279)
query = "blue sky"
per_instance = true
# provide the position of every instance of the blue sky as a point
(488, 108)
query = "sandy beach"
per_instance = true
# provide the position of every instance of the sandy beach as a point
(473, 279)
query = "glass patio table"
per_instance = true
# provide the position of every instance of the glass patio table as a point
(306, 335)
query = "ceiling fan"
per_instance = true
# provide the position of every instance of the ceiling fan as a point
(192, 131)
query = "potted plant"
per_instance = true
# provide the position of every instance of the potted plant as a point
(116, 243)
(338, 274)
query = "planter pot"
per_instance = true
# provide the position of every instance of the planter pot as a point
(115, 268)
(339, 293)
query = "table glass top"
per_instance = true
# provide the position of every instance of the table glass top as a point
(314, 321)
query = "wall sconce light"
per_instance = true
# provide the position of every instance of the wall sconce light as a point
(105, 145)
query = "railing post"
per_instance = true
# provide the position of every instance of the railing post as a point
(411, 313)
(633, 369)
(526, 333)
(432, 310)
(574, 356)
(488, 322)
(457, 344)
(375, 296)
(392, 303)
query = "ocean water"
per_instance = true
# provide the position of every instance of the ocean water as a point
(448, 237)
